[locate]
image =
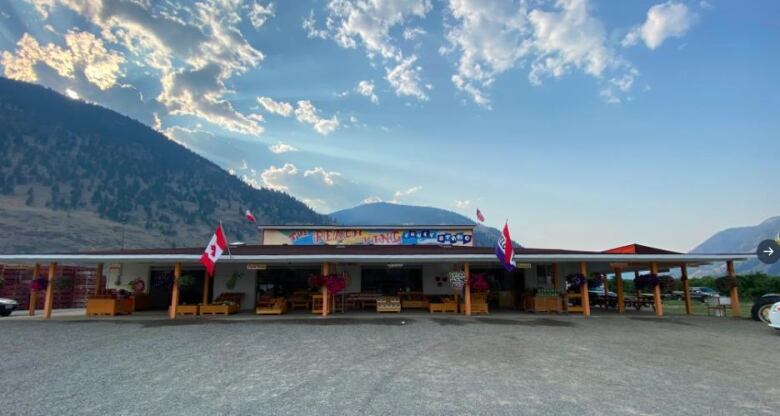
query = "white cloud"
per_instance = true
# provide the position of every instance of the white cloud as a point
(372, 199)
(664, 21)
(274, 177)
(282, 148)
(491, 36)
(328, 178)
(462, 203)
(307, 113)
(184, 45)
(276, 107)
(84, 54)
(412, 33)
(495, 36)
(353, 23)
(569, 38)
(405, 79)
(407, 192)
(366, 88)
(259, 14)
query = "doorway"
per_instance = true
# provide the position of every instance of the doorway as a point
(161, 288)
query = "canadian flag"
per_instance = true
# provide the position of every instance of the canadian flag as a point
(217, 245)
(250, 217)
(480, 217)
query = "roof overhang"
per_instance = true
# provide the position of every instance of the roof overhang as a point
(630, 259)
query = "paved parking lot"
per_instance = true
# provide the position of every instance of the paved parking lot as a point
(501, 364)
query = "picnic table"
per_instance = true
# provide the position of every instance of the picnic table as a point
(645, 299)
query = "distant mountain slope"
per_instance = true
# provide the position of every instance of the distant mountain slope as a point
(740, 240)
(383, 213)
(72, 173)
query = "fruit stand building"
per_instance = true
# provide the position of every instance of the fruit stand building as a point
(417, 264)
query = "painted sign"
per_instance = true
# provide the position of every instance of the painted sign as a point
(369, 237)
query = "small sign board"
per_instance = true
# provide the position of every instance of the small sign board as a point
(256, 266)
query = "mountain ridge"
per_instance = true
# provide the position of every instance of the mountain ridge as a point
(71, 165)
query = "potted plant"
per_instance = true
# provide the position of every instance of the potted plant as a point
(136, 285)
(575, 280)
(233, 279)
(186, 282)
(647, 282)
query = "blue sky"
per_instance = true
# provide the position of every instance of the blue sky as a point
(587, 124)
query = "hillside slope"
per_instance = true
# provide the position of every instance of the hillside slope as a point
(740, 240)
(383, 213)
(72, 174)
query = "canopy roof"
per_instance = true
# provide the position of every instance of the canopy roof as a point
(372, 254)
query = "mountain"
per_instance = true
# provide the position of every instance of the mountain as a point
(383, 213)
(740, 240)
(76, 176)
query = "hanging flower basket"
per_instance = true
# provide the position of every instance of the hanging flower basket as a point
(647, 282)
(335, 283)
(233, 279)
(667, 283)
(724, 284)
(186, 282)
(478, 282)
(39, 284)
(575, 280)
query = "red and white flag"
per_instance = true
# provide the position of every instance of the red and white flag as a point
(217, 245)
(480, 217)
(250, 217)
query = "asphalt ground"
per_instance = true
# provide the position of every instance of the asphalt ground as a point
(409, 364)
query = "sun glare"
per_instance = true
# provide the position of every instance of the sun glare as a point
(72, 94)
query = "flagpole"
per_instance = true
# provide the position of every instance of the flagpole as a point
(227, 241)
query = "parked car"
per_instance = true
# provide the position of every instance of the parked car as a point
(774, 316)
(597, 296)
(762, 305)
(697, 293)
(7, 306)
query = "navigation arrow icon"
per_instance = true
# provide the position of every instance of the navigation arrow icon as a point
(766, 251)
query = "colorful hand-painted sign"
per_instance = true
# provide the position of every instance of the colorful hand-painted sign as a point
(452, 237)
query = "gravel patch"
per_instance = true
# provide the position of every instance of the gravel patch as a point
(408, 364)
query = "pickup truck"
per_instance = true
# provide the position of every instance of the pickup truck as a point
(697, 293)
(762, 306)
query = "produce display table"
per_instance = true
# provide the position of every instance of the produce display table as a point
(109, 306)
(187, 310)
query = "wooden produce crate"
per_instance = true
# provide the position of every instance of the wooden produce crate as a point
(187, 310)
(388, 304)
(109, 306)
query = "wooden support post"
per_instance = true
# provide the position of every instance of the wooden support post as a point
(33, 294)
(206, 288)
(99, 279)
(659, 307)
(734, 291)
(584, 290)
(686, 289)
(175, 291)
(467, 290)
(325, 294)
(621, 297)
(555, 276)
(638, 292)
(48, 303)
